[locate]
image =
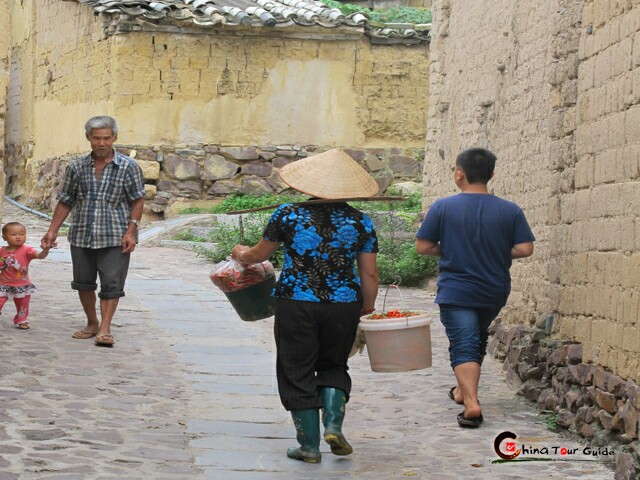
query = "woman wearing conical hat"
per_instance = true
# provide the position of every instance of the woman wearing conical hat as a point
(320, 295)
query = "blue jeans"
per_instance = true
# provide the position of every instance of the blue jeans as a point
(467, 330)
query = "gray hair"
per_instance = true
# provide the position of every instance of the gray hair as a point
(102, 121)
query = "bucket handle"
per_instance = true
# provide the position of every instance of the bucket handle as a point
(384, 301)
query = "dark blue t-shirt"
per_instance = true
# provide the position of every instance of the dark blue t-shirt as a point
(476, 233)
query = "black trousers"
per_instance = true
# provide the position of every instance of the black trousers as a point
(313, 342)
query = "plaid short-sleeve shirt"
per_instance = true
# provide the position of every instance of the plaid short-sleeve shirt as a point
(101, 208)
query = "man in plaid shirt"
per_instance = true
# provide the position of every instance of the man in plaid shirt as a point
(105, 190)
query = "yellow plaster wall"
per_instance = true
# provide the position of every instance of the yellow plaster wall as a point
(317, 87)
(60, 75)
(5, 37)
(187, 89)
(20, 73)
(245, 90)
(73, 79)
(4, 81)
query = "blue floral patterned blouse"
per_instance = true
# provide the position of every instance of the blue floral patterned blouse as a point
(321, 243)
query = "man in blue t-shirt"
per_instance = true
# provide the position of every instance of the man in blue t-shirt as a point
(476, 235)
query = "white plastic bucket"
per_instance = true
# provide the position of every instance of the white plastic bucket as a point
(398, 344)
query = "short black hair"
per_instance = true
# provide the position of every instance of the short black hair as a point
(477, 164)
(6, 226)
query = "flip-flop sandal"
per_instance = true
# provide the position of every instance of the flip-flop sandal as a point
(82, 335)
(105, 340)
(23, 326)
(469, 422)
(452, 396)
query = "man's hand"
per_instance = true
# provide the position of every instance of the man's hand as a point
(427, 247)
(522, 250)
(49, 240)
(128, 242)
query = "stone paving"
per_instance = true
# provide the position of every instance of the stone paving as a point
(188, 392)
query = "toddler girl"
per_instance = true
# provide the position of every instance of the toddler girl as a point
(14, 271)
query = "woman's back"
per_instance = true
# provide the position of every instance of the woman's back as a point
(322, 242)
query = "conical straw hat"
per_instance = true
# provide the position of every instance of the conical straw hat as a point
(332, 174)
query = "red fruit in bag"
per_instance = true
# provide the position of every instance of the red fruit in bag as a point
(231, 276)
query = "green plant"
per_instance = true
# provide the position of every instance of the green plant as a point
(550, 419)
(401, 263)
(397, 256)
(226, 236)
(239, 201)
(395, 224)
(188, 210)
(245, 202)
(402, 15)
(384, 15)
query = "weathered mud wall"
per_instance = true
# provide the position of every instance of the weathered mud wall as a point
(291, 88)
(552, 87)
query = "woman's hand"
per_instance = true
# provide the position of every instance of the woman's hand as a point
(236, 251)
(256, 254)
(366, 310)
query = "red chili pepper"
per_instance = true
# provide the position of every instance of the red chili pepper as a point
(393, 314)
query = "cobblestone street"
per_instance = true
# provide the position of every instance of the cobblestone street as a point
(188, 392)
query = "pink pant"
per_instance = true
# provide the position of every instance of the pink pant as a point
(22, 307)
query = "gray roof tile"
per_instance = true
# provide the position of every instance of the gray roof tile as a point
(270, 13)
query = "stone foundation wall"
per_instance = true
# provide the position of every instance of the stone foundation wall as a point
(204, 172)
(589, 400)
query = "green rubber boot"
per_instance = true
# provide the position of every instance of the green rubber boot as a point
(334, 401)
(307, 423)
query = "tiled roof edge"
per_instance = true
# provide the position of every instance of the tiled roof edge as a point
(196, 15)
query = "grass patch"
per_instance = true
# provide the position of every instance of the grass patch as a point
(240, 201)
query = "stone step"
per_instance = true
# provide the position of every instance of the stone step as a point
(186, 245)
